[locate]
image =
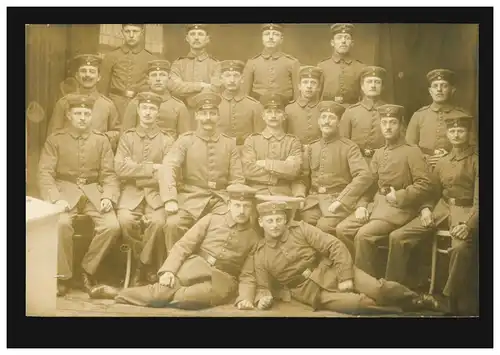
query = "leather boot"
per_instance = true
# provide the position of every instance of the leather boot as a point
(88, 282)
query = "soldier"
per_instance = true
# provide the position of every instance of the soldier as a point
(197, 71)
(197, 170)
(457, 175)
(336, 173)
(209, 265)
(240, 115)
(272, 71)
(104, 116)
(302, 113)
(137, 161)
(403, 184)
(272, 159)
(76, 173)
(361, 121)
(173, 115)
(427, 127)
(341, 71)
(318, 270)
(124, 68)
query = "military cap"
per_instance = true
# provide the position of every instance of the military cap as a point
(272, 101)
(464, 121)
(159, 64)
(341, 28)
(331, 106)
(309, 71)
(441, 74)
(372, 70)
(389, 110)
(271, 26)
(271, 207)
(141, 25)
(236, 65)
(197, 26)
(241, 192)
(79, 100)
(149, 97)
(86, 59)
(206, 100)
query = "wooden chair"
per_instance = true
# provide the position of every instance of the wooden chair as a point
(440, 234)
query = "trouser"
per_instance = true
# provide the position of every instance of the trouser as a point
(149, 248)
(178, 224)
(107, 230)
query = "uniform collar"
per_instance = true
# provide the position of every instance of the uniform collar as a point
(150, 132)
(330, 139)
(268, 54)
(200, 57)
(302, 102)
(201, 134)
(228, 95)
(274, 242)
(459, 154)
(92, 92)
(125, 49)
(401, 141)
(369, 104)
(268, 134)
(337, 58)
(76, 135)
(445, 108)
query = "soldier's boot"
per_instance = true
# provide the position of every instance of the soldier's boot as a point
(157, 296)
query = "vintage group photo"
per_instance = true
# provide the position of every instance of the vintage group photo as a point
(252, 170)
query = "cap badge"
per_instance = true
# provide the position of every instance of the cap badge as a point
(157, 68)
(439, 77)
(207, 101)
(271, 27)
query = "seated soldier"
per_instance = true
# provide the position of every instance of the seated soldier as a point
(318, 270)
(457, 176)
(139, 156)
(336, 172)
(209, 265)
(76, 172)
(272, 158)
(403, 183)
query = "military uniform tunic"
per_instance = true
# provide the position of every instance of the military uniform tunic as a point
(302, 120)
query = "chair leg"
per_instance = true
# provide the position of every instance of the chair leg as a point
(126, 248)
(433, 264)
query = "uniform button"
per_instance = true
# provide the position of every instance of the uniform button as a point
(223, 250)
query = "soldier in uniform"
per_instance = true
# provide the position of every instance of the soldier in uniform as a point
(272, 159)
(456, 175)
(403, 183)
(124, 68)
(302, 113)
(196, 72)
(173, 115)
(240, 115)
(197, 170)
(361, 121)
(318, 270)
(341, 71)
(139, 157)
(272, 71)
(210, 264)
(104, 116)
(427, 127)
(335, 174)
(76, 172)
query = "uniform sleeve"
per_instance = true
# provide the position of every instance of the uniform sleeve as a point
(106, 69)
(367, 197)
(107, 176)
(472, 219)
(412, 131)
(332, 248)
(186, 246)
(295, 78)
(235, 166)
(250, 169)
(125, 166)
(129, 119)
(262, 277)
(302, 184)
(246, 287)
(215, 77)
(290, 167)
(58, 119)
(178, 86)
(47, 171)
(345, 124)
(437, 190)
(171, 169)
(184, 120)
(247, 82)
(362, 178)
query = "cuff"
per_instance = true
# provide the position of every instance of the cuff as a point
(346, 274)
(54, 195)
(110, 196)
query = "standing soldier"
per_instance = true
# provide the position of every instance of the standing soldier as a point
(361, 121)
(272, 71)
(137, 161)
(341, 71)
(272, 159)
(427, 127)
(197, 170)
(124, 68)
(302, 113)
(404, 183)
(336, 173)
(104, 115)
(240, 115)
(173, 115)
(197, 71)
(76, 172)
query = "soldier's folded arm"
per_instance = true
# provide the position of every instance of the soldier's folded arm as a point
(247, 283)
(172, 162)
(178, 86)
(290, 167)
(302, 184)
(47, 171)
(215, 78)
(107, 175)
(125, 166)
(250, 168)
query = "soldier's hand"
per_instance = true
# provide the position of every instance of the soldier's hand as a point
(167, 279)
(265, 302)
(261, 163)
(362, 214)
(171, 207)
(64, 204)
(157, 167)
(346, 286)
(460, 231)
(106, 205)
(334, 206)
(245, 305)
(426, 218)
(391, 196)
